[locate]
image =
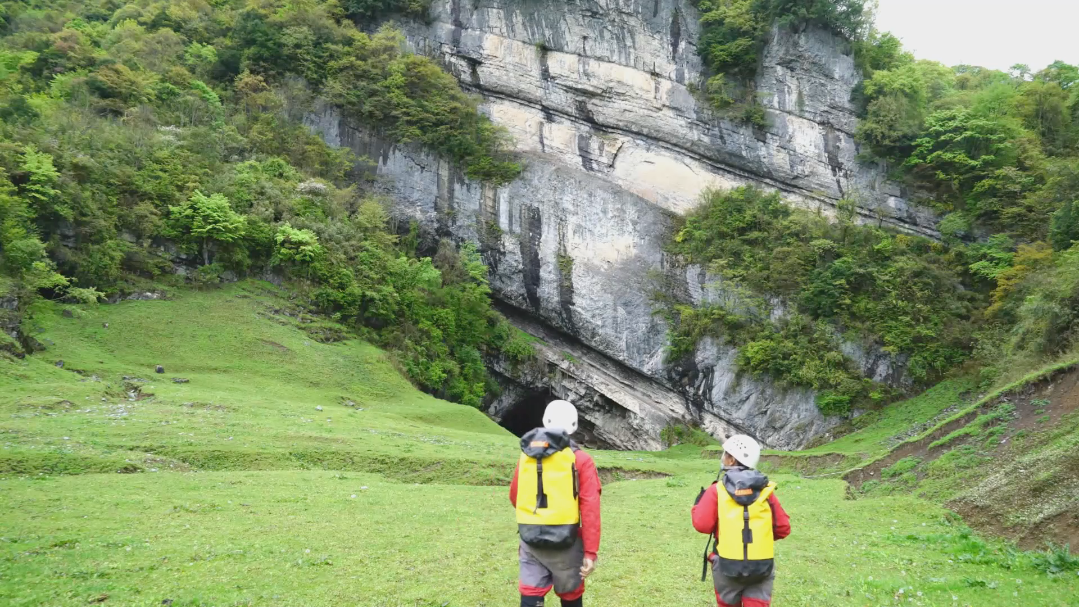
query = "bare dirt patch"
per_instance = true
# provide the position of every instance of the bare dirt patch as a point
(1061, 529)
(154, 463)
(920, 448)
(1048, 406)
(133, 391)
(205, 406)
(922, 427)
(325, 334)
(275, 345)
(45, 404)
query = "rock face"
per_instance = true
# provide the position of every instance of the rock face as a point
(597, 96)
(606, 87)
(619, 406)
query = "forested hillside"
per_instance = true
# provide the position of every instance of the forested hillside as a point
(995, 154)
(148, 138)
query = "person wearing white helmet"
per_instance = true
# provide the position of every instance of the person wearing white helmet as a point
(556, 494)
(744, 519)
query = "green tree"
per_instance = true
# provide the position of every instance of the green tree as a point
(1048, 315)
(1043, 107)
(847, 18)
(880, 51)
(39, 187)
(204, 220)
(412, 99)
(369, 10)
(200, 57)
(1062, 73)
(958, 148)
(875, 286)
(114, 118)
(897, 103)
(298, 247)
(734, 33)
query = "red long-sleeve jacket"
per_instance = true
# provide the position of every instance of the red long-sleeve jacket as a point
(706, 514)
(588, 498)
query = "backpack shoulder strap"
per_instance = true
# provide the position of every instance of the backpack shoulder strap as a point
(541, 497)
(768, 490)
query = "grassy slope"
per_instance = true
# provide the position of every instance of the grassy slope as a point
(882, 430)
(233, 507)
(1007, 460)
(876, 433)
(255, 383)
(1011, 462)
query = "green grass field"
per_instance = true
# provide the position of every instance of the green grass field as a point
(238, 490)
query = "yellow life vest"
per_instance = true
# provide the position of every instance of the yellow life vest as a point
(746, 544)
(548, 512)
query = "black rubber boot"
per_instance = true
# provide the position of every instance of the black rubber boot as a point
(531, 601)
(577, 602)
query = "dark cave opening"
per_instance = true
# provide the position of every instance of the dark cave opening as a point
(526, 413)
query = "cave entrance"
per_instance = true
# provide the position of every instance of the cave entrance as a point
(526, 413)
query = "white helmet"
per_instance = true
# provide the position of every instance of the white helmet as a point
(744, 449)
(562, 415)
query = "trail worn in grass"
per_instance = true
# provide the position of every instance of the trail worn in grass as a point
(876, 433)
(234, 488)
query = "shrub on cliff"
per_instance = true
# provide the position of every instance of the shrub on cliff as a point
(411, 99)
(734, 33)
(841, 280)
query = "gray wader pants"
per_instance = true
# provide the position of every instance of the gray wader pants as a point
(742, 591)
(543, 569)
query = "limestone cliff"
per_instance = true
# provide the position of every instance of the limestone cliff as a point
(598, 98)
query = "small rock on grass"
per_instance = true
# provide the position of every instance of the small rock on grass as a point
(60, 364)
(67, 314)
(318, 408)
(159, 369)
(180, 380)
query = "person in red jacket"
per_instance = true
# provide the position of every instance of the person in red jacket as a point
(740, 457)
(564, 570)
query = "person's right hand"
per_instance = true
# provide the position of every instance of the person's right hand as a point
(588, 567)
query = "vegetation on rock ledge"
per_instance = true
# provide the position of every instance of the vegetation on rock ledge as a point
(841, 280)
(997, 153)
(735, 32)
